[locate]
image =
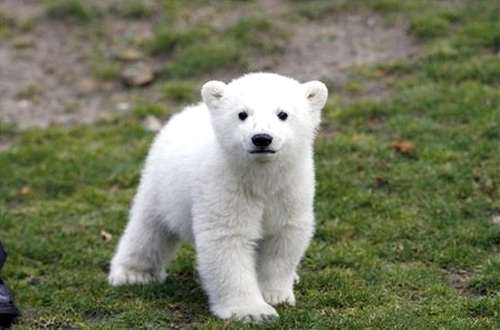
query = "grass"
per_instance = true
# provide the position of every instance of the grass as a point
(230, 48)
(75, 10)
(205, 59)
(107, 71)
(9, 26)
(404, 239)
(181, 91)
(429, 26)
(28, 92)
(319, 9)
(386, 5)
(259, 34)
(166, 39)
(142, 110)
(132, 9)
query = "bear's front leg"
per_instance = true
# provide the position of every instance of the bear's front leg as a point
(279, 255)
(225, 250)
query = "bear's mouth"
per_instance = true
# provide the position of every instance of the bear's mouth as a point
(263, 151)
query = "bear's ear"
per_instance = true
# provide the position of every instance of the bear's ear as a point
(213, 92)
(316, 94)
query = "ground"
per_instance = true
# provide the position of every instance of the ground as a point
(407, 158)
(36, 90)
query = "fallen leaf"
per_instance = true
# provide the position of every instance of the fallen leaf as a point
(105, 236)
(404, 147)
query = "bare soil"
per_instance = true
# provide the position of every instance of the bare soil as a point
(330, 47)
(46, 73)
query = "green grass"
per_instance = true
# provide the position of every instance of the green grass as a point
(386, 5)
(154, 109)
(181, 91)
(259, 34)
(429, 26)
(76, 10)
(107, 71)
(166, 39)
(132, 9)
(28, 92)
(231, 48)
(319, 9)
(10, 26)
(403, 240)
(202, 58)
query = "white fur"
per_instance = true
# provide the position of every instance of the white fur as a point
(250, 215)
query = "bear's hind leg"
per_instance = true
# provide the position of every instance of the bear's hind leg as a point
(145, 249)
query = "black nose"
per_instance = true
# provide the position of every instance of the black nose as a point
(262, 140)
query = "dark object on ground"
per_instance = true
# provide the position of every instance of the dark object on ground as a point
(8, 311)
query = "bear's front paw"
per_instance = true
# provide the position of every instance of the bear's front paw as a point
(249, 314)
(276, 297)
(121, 275)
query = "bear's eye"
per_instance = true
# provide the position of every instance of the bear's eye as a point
(282, 115)
(243, 115)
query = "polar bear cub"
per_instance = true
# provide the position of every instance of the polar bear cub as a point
(235, 174)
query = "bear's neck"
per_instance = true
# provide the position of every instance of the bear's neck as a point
(264, 177)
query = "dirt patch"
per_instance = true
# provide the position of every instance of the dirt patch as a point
(46, 73)
(329, 48)
(459, 281)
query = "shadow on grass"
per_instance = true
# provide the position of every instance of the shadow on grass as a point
(181, 295)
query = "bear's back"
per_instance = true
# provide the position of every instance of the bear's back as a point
(175, 162)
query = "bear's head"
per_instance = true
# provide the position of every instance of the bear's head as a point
(265, 115)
